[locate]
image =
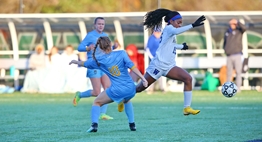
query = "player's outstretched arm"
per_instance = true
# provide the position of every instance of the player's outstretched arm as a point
(182, 46)
(137, 72)
(176, 31)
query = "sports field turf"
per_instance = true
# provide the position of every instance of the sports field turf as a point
(159, 118)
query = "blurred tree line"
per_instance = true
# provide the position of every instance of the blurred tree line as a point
(84, 6)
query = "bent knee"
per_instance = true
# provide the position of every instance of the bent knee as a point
(139, 89)
(188, 79)
(97, 103)
(96, 92)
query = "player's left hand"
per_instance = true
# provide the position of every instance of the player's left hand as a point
(185, 47)
(199, 21)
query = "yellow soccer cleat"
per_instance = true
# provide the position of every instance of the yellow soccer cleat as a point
(105, 117)
(121, 107)
(189, 110)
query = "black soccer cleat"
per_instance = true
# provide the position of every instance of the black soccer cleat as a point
(93, 128)
(132, 126)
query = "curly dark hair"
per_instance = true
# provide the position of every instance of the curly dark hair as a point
(153, 19)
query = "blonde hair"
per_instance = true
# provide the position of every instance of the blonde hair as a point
(39, 46)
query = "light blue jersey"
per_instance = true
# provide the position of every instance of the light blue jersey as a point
(91, 38)
(115, 65)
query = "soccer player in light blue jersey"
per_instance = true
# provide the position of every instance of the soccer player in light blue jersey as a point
(164, 62)
(97, 77)
(115, 64)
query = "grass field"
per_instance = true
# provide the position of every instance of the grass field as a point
(159, 118)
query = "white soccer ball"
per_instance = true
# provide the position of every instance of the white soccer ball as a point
(229, 89)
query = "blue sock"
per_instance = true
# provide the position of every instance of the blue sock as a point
(95, 112)
(103, 109)
(129, 112)
(86, 94)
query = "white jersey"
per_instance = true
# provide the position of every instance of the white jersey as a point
(166, 52)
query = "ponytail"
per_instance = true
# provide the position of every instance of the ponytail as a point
(94, 56)
(153, 19)
(104, 44)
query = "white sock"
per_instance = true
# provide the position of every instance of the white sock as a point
(187, 98)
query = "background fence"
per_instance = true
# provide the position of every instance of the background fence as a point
(20, 33)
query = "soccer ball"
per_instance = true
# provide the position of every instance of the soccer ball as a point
(229, 89)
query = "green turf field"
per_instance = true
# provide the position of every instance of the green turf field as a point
(159, 118)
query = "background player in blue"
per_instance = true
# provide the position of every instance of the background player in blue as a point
(115, 64)
(97, 77)
(152, 45)
(164, 63)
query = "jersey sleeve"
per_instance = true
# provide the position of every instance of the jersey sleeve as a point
(175, 31)
(149, 42)
(179, 46)
(85, 42)
(241, 27)
(149, 47)
(91, 64)
(127, 61)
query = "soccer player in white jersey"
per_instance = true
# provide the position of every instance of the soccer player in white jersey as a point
(164, 63)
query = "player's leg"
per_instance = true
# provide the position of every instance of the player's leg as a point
(229, 68)
(94, 76)
(238, 68)
(151, 88)
(100, 100)
(180, 74)
(130, 115)
(105, 81)
(96, 90)
(140, 87)
(152, 74)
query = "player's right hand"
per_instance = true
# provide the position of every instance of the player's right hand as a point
(185, 46)
(92, 46)
(145, 83)
(73, 62)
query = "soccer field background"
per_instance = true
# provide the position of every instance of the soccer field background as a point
(159, 118)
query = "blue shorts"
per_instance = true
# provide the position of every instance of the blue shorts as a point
(94, 73)
(126, 92)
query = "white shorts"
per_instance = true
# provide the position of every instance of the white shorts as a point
(157, 72)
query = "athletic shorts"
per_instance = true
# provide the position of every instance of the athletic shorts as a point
(126, 92)
(94, 73)
(157, 72)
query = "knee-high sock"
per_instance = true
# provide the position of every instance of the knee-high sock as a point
(86, 94)
(95, 112)
(187, 98)
(129, 112)
(103, 109)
